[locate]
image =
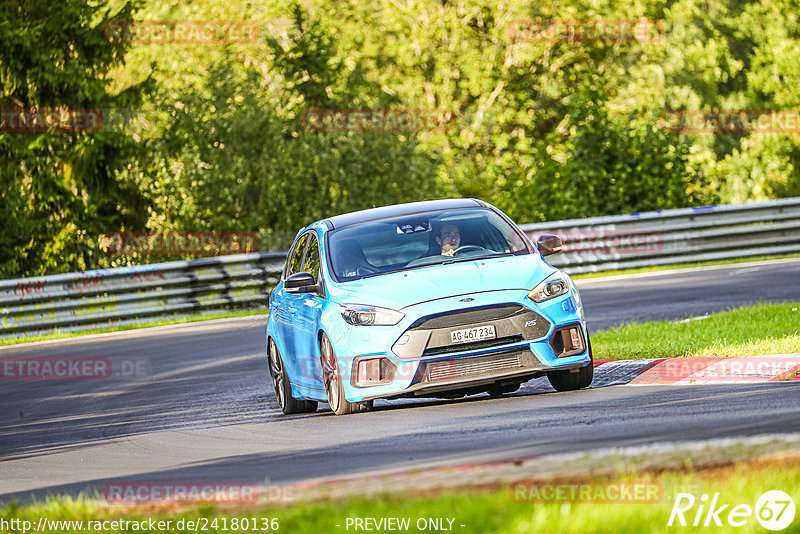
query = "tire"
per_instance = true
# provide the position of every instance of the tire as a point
(332, 378)
(498, 390)
(283, 389)
(569, 381)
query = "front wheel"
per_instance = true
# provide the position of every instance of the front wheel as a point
(333, 382)
(570, 381)
(283, 389)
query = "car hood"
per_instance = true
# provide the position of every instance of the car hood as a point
(406, 288)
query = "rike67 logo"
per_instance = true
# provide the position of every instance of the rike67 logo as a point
(774, 510)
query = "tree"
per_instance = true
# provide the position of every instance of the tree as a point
(234, 154)
(60, 189)
(603, 165)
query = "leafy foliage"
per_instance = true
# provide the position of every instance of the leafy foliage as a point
(59, 187)
(235, 157)
(602, 165)
(543, 128)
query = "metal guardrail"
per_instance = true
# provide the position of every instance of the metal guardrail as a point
(145, 293)
(675, 236)
(132, 295)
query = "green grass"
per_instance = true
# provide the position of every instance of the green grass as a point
(749, 331)
(164, 322)
(505, 509)
(655, 268)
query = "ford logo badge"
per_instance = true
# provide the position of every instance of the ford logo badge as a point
(468, 299)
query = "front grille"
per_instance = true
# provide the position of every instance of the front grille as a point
(431, 335)
(477, 366)
(475, 345)
(481, 314)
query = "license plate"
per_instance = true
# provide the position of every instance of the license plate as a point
(478, 333)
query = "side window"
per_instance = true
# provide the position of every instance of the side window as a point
(293, 263)
(311, 262)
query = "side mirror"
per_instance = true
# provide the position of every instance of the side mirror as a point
(301, 283)
(549, 244)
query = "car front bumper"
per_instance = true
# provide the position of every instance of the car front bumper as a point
(426, 364)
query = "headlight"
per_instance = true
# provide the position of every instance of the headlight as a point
(362, 315)
(553, 286)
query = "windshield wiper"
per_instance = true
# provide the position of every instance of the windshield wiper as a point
(476, 258)
(494, 255)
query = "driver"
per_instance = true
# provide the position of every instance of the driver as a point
(449, 239)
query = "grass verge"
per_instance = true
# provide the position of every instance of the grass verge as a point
(121, 328)
(543, 506)
(749, 331)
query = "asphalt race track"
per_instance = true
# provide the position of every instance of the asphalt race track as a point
(194, 403)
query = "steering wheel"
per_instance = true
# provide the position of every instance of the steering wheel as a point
(467, 248)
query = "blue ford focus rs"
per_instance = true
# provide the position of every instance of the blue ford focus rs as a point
(442, 298)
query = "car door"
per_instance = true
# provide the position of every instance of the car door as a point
(307, 318)
(283, 305)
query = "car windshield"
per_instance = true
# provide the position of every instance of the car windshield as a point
(396, 244)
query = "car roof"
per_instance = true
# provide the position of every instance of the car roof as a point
(398, 210)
